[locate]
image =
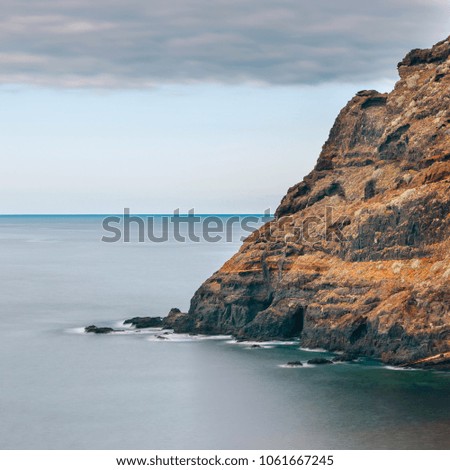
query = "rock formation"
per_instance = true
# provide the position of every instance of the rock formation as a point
(357, 258)
(99, 330)
(144, 322)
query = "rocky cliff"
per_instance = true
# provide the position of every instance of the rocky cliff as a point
(357, 257)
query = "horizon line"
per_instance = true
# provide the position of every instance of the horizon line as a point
(136, 214)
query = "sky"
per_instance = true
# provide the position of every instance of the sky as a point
(216, 105)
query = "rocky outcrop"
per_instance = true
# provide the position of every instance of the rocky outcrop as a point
(319, 361)
(144, 322)
(99, 330)
(177, 320)
(439, 361)
(345, 357)
(357, 257)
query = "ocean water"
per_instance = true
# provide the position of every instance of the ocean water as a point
(63, 389)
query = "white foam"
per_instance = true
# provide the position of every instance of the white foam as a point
(182, 338)
(398, 368)
(120, 324)
(144, 331)
(75, 331)
(263, 344)
(127, 331)
(122, 331)
(319, 350)
(155, 338)
(304, 366)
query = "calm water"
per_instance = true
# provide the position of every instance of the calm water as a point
(61, 389)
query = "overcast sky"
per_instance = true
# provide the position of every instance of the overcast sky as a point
(218, 105)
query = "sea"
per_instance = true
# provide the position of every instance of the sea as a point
(61, 388)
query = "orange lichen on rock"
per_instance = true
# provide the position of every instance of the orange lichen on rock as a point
(357, 257)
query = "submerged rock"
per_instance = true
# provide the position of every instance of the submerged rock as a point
(295, 363)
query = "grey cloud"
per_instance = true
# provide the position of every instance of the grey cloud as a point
(116, 43)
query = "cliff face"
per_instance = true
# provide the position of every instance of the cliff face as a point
(357, 258)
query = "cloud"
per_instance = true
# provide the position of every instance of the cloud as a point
(145, 43)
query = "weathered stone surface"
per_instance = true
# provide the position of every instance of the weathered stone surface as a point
(358, 256)
(177, 320)
(439, 361)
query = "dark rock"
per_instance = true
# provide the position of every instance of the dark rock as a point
(319, 361)
(439, 361)
(367, 93)
(255, 346)
(379, 100)
(144, 322)
(396, 331)
(359, 328)
(438, 54)
(295, 363)
(99, 330)
(345, 357)
(178, 321)
(395, 144)
(370, 189)
(161, 337)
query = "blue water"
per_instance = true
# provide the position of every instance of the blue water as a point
(62, 389)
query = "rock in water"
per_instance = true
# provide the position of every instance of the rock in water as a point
(98, 330)
(295, 363)
(357, 258)
(319, 361)
(144, 322)
(439, 361)
(178, 321)
(346, 357)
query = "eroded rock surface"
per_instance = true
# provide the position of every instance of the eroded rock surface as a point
(357, 258)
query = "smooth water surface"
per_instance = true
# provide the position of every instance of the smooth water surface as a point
(63, 389)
